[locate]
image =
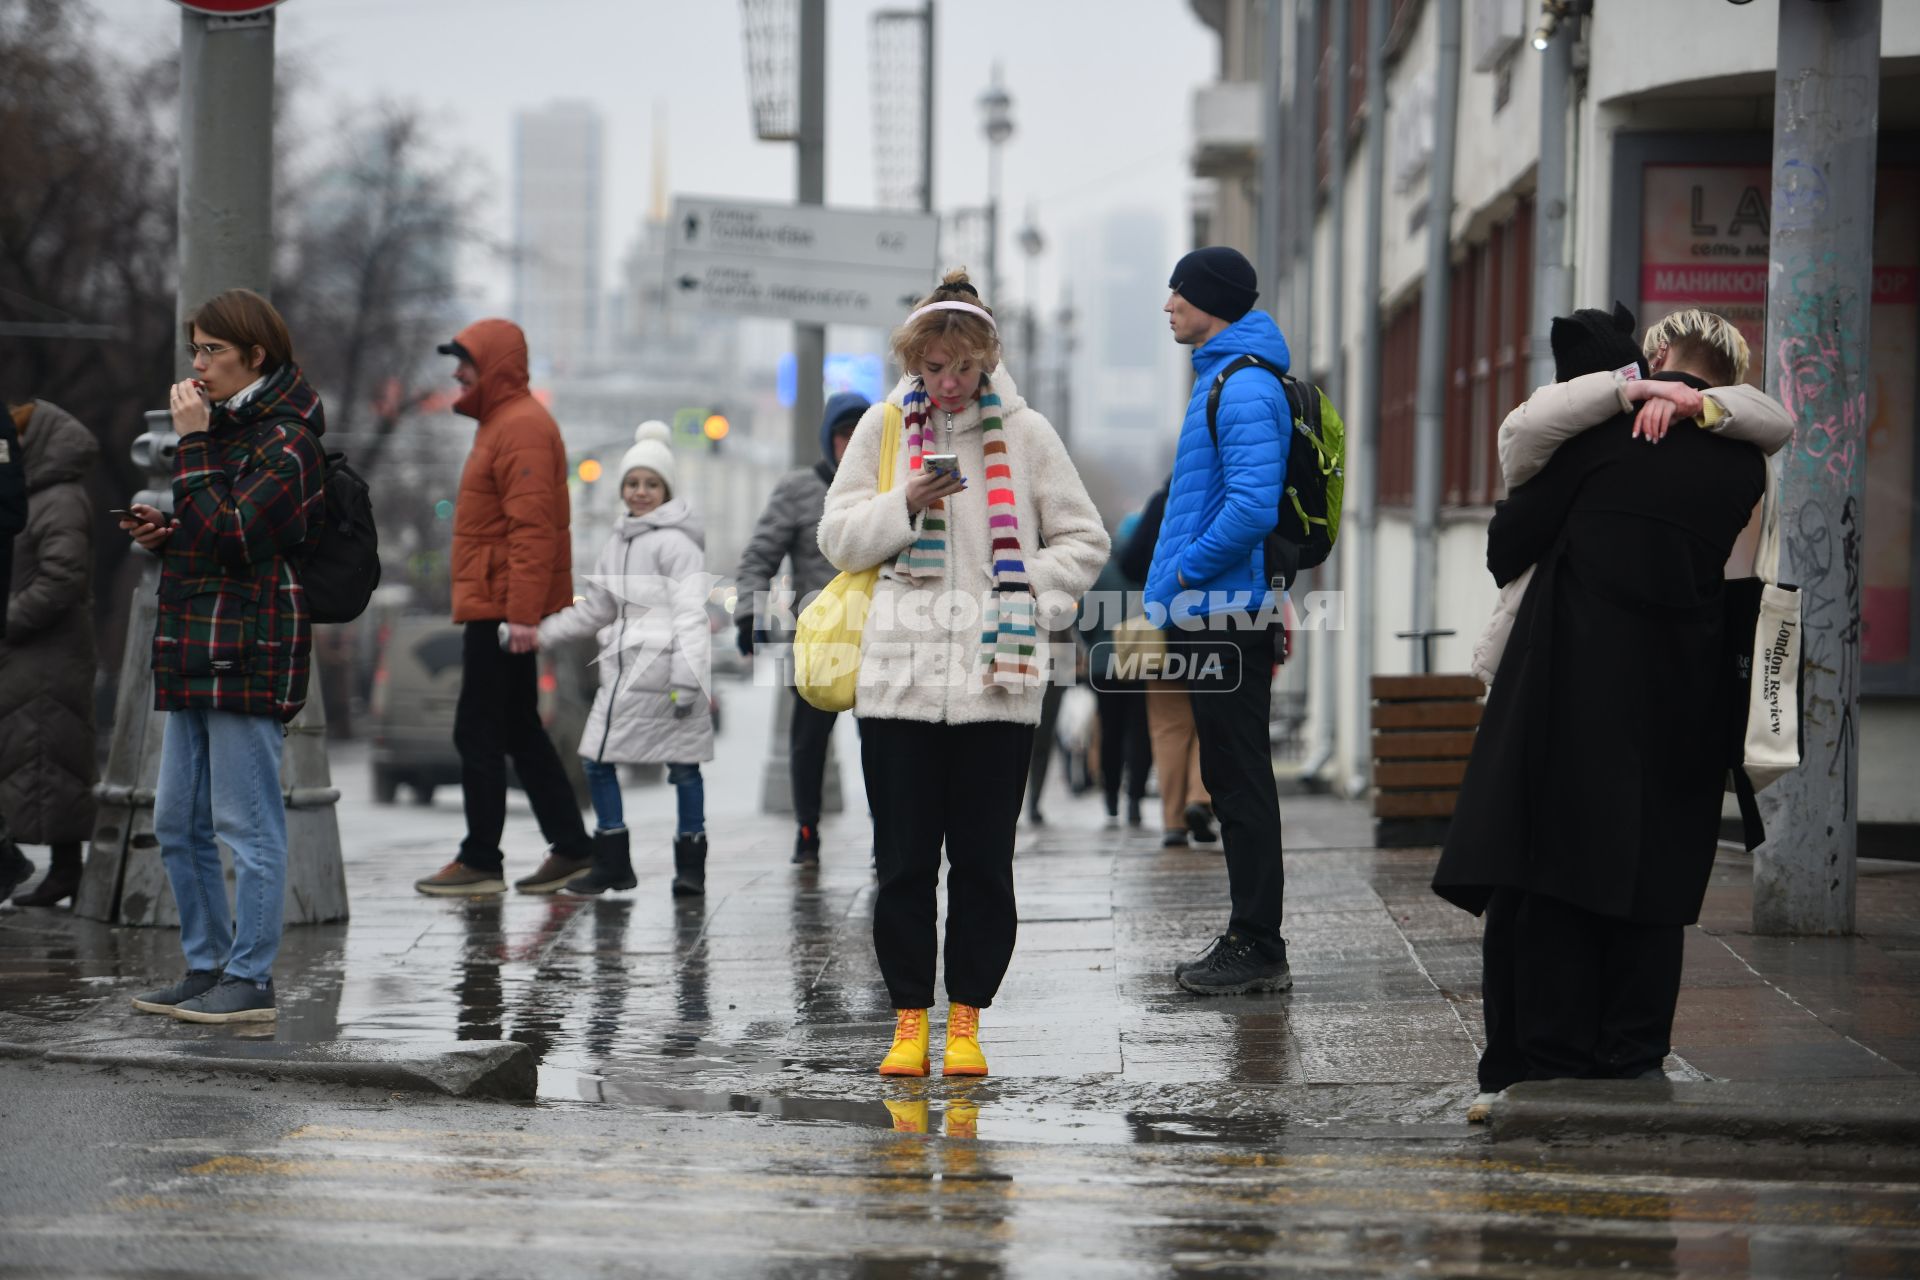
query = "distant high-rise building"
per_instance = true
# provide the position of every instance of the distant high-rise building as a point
(1125, 355)
(558, 195)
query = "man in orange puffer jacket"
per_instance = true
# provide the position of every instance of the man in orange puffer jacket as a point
(512, 564)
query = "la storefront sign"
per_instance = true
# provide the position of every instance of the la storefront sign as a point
(228, 8)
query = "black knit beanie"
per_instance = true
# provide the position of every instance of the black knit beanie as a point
(1218, 280)
(1592, 341)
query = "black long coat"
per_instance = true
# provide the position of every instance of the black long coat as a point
(1597, 774)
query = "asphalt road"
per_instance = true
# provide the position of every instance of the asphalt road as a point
(110, 1173)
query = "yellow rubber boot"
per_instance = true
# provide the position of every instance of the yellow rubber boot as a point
(908, 1117)
(963, 1056)
(908, 1057)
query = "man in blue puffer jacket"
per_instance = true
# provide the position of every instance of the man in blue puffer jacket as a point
(1209, 578)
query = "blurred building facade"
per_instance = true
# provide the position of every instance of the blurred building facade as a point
(558, 198)
(1670, 155)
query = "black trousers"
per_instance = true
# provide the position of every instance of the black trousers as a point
(498, 716)
(1231, 686)
(1567, 993)
(957, 785)
(807, 737)
(1046, 743)
(1124, 744)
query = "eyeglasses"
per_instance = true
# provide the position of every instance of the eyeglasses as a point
(207, 349)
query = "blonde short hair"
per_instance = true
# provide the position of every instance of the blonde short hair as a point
(964, 333)
(1702, 338)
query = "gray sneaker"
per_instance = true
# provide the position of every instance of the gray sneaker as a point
(233, 1000)
(197, 983)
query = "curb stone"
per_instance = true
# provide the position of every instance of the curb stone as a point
(1882, 1113)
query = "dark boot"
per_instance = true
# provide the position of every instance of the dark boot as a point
(612, 866)
(15, 869)
(62, 879)
(689, 865)
(806, 846)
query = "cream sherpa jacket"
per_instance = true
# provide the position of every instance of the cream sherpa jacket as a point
(919, 661)
(1556, 413)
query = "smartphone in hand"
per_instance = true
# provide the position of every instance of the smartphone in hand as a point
(946, 464)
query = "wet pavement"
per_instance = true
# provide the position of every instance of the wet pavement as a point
(1325, 1123)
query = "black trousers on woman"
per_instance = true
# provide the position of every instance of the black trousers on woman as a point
(957, 786)
(1570, 994)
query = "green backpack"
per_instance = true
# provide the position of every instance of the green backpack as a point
(1309, 517)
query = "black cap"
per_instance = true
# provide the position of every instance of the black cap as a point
(1593, 341)
(456, 350)
(1219, 280)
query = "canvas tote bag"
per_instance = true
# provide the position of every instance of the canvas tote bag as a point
(1763, 634)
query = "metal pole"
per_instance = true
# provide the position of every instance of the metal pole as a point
(810, 340)
(1552, 283)
(926, 115)
(1820, 278)
(226, 165)
(1306, 188)
(993, 224)
(1359, 524)
(1430, 406)
(1272, 239)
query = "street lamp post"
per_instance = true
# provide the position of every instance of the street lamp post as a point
(1031, 243)
(996, 120)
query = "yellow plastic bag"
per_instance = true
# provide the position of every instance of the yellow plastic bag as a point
(826, 641)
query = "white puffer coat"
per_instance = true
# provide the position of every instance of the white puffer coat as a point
(1556, 413)
(915, 663)
(647, 601)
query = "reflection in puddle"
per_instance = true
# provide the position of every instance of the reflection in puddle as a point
(964, 1112)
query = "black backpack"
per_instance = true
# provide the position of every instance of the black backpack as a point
(340, 565)
(1309, 517)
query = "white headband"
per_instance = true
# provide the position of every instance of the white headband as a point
(956, 306)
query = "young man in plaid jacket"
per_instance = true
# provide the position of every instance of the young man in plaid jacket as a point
(231, 646)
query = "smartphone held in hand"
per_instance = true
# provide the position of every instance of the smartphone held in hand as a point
(946, 464)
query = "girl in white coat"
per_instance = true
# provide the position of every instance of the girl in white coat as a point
(985, 537)
(646, 600)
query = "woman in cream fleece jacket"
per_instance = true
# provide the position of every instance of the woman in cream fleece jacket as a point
(951, 675)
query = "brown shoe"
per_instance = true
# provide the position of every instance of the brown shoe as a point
(553, 873)
(458, 880)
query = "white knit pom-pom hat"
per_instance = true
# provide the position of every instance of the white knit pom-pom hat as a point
(651, 449)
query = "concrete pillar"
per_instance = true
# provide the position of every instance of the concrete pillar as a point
(1820, 282)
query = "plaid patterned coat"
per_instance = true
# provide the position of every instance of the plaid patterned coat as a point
(233, 633)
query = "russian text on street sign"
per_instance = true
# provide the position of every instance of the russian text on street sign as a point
(806, 263)
(227, 8)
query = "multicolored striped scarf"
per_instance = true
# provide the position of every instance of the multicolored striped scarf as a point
(1009, 647)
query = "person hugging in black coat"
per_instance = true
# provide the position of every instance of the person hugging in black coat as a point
(1587, 823)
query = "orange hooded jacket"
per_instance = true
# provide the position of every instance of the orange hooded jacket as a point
(512, 556)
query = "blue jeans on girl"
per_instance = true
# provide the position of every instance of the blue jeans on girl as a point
(609, 814)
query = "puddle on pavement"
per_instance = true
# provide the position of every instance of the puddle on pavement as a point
(957, 1111)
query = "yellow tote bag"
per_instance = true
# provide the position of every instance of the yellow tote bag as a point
(826, 641)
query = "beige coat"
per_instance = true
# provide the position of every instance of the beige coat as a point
(918, 662)
(1556, 413)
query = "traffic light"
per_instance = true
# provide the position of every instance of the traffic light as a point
(715, 427)
(589, 470)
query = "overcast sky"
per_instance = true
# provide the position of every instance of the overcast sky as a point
(1100, 94)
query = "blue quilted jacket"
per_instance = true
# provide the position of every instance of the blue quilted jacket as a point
(1224, 502)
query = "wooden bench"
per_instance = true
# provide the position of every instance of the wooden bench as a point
(1423, 729)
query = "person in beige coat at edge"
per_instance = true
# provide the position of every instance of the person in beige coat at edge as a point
(951, 677)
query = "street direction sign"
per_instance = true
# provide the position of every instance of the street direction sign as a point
(805, 263)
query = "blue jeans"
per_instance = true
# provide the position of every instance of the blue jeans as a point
(603, 784)
(220, 777)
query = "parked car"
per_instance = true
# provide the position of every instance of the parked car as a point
(416, 687)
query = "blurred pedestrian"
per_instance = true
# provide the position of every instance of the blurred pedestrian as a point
(1588, 819)
(512, 565)
(789, 530)
(14, 867)
(647, 603)
(950, 679)
(1186, 808)
(1124, 744)
(230, 646)
(47, 663)
(1209, 577)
